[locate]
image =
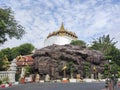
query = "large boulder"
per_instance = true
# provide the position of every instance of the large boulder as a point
(50, 60)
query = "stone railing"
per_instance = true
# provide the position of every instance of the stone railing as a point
(8, 74)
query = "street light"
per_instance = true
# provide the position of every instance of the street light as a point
(110, 84)
(112, 77)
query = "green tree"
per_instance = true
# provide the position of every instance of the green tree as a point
(9, 28)
(12, 53)
(28, 70)
(114, 55)
(107, 47)
(15, 52)
(78, 42)
(111, 71)
(86, 70)
(4, 63)
(103, 44)
(106, 71)
(71, 68)
(1, 60)
(25, 49)
(7, 52)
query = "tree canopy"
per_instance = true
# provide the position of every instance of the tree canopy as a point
(9, 28)
(8, 54)
(107, 46)
(12, 53)
(78, 42)
(103, 44)
(25, 49)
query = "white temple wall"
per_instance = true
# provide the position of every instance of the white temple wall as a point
(59, 40)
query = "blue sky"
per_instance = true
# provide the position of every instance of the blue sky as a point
(89, 19)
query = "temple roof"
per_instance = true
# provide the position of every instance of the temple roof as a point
(24, 60)
(62, 32)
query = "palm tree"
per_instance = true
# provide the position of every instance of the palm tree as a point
(103, 44)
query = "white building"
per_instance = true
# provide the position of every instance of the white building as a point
(60, 37)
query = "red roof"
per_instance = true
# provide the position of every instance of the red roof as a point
(24, 60)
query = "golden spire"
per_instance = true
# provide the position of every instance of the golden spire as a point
(62, 27)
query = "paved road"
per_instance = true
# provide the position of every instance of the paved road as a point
(59, 86)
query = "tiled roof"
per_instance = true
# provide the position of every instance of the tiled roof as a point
(24, 60)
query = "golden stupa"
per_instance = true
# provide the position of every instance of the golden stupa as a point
(60, 37)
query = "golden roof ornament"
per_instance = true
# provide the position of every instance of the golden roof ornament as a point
(62, 32)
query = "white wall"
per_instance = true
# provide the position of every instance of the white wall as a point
(59, 40)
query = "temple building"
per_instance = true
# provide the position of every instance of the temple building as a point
(22, 61)
(60, 37)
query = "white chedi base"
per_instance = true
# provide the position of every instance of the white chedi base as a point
(59, 40)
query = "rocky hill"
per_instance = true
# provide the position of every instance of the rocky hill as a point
(51, 60)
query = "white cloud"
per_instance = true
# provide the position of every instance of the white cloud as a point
(87, 18)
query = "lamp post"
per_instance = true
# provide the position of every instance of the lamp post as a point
(114, 78)
(110, 84)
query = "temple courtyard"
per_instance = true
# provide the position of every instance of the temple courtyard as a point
(60, 86)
